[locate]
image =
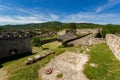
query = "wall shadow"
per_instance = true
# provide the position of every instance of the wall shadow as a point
(14, 57)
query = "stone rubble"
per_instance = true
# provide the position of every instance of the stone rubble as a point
(38, 57)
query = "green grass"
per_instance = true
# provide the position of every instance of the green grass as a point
(108, 67)
(18, 71)
(52, 45)
(50, 37)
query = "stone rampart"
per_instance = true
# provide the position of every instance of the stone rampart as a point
(113, 42)
(82, 31)
(82, 41)
(10, 47)
(87, 31)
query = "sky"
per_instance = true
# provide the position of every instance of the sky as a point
(79, 11)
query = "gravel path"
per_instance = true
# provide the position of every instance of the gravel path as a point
(70, 64)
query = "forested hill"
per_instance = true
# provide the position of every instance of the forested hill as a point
(34, 25)
(57, 24)
(49, 25)
(109, 28)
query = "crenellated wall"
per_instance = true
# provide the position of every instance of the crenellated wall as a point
(113, 42)
(14, 43)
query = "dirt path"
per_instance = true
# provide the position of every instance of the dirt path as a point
(3, 74)
(70, 64)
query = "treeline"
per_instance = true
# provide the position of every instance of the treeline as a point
(109, 28)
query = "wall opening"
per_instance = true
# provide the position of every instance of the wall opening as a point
(98, 35)
(13, 51)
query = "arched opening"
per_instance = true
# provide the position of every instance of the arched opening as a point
(13, 51)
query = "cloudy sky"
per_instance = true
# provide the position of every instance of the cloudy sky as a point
(37, 11)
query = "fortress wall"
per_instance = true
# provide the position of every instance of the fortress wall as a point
(81, 31)
(113, 42)
(83, 41)
(87, 31)
(20, 45)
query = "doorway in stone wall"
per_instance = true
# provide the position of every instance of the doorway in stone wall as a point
(13, 51)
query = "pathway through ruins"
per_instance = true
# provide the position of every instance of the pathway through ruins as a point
(70, 64)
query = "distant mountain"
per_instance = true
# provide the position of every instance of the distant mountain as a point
(45, 24)
(33, 25)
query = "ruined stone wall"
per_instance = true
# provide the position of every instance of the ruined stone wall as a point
(87, 40)
(19, 45)
(62, 32)
(83, 41)
(87, 31)
(113, 42)
(81, 31)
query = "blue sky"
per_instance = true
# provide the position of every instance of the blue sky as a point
(37, 11)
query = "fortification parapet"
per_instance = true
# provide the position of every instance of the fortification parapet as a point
(113, 42)
(13, 35)
(11, 45)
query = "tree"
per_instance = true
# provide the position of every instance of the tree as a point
(36, 41)
(72, 27)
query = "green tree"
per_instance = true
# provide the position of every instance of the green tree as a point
(72, 27)
(36, 41)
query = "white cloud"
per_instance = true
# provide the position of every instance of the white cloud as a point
(108, 5)
(3, 7)
(37, 17)
(54, 17)
(32, 16)
(93, 18)
(19, 20)
(79, 18)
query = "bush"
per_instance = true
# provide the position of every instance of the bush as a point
(59, 75)
(36, 41)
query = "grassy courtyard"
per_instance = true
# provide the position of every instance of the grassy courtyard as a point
(107, 66)
(16, 70)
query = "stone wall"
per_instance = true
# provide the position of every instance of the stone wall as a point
(10, 47)
(113, 42)
(81, 31)
(87, 40)
(87, 31)
(82, 41)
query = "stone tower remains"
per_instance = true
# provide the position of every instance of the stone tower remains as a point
(14, 44)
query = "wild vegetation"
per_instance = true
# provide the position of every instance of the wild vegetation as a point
(18, 71)
(107, 67)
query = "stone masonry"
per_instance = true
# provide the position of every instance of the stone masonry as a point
(11, 45)
(113, 42)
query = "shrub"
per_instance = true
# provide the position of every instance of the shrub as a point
(59, 75)
(36, 41)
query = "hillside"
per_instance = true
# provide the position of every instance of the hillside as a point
(108, 28)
